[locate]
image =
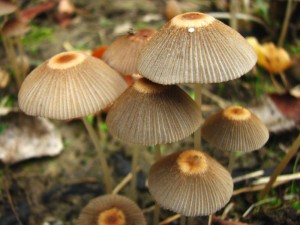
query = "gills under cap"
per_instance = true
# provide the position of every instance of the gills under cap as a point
(195, 48)
(70, 85)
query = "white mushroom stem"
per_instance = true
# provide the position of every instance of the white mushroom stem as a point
(157, 156)
(102, 157)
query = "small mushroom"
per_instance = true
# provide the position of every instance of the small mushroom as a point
(149, 114)
(190, 182)
(6, 7)
(235, 129)
(122, 54)
(111, 210)
(70, 85)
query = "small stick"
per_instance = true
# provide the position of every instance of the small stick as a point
(288, 13)
(122, 184)
(284, 80)
(292, 151)
(170, 219)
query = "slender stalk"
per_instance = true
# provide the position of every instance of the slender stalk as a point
(157, 156)
(183, 220)
(20, 47)
(231, 161)
(292, 151)
(233, 14)
(102, 157)
(134, 164)
(288, 13)
(198, 100)
(284, 80)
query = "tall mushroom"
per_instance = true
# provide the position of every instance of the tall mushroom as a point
(72, 85)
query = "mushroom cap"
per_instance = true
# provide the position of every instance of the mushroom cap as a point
(195, 48)
(70, 85)
(190, 182)
(235, 129)
(111, 210)
(148, 113)
(122, 54)
(14, 27)
(6, 8)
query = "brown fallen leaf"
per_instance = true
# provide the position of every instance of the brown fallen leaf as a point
(288, 105)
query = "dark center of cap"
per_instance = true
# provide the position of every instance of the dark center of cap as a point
(193, 16)
(66, 58)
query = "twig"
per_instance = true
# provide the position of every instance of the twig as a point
(282, 178)
(286, 21)
(170, 219)
(219, 101)
(11, 202)
(248, 176)
(227, 210)
(123, 183)
(292, 151)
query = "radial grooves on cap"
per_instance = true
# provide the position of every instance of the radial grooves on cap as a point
(154, 117)
(70, 93)
(122, 54)
(90, 213)
(234, 135)
(190, 195)
(212, 53)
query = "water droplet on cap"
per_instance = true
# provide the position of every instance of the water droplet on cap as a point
(191, 29)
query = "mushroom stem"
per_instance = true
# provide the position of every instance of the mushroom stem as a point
(182, 220)
(231, 162)
(134, 165)
(292, 151)
(103, 162)
(287, 17)
(198, 100)
(284, 80)
(234, 8)
(157, 156)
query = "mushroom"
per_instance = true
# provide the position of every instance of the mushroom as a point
(6, 7)
(111, 210)
(235, 129)
(71, 85)
(190, 183)
(150, 114)
(122, 54)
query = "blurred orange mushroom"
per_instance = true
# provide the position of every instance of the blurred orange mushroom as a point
(274, 59)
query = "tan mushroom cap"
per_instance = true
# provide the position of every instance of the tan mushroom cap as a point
(235, 129)
(122, 54)
(14, 27)
(111, 210)
(6, 7)
(70, 85)
(191, 183)
(148, 113)
(195, 48)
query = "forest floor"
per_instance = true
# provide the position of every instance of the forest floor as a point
(53, 190)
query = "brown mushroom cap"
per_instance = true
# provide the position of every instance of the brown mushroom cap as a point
(235, 129)
(122, 54)
(70, 85)
(195, 48)
(6, 8)
(191, 183)
(111, 210)
(14, 27)
(148, 113)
